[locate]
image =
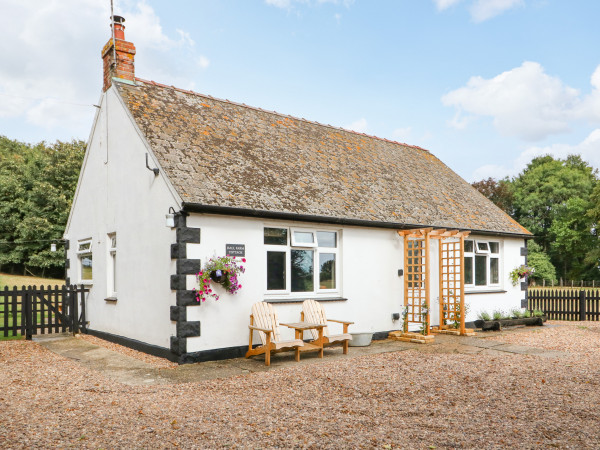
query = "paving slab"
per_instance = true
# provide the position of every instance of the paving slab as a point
(128, 370)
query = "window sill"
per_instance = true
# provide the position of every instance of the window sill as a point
(300, 300)
(497, 291)
(110, 299)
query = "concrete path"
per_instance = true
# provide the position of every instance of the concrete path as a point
(127, 370)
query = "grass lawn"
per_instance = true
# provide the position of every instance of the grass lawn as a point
(19, 280)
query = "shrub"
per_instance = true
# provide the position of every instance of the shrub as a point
(538, 313)
(497, 314)
(516, 313)
(484, 315)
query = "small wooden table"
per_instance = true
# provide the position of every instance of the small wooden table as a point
(300, 327)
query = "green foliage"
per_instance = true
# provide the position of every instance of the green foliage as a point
(499, 192)
(516, 313)
(497, 314)
(527, 314)
(538, 313)
(37, 184)
(540, 261)
(552, 198)
(484, 315)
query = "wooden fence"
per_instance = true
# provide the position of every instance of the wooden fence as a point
(31, 310)
(565, 304)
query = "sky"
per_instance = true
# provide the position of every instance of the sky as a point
(485, 85)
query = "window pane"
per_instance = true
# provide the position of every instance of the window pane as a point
(469, 246)
(483, 246)
(469, 270)
(494, 272)
(302, 268)
(304, 237)
(86, 267)
(114, 267)
(275, 271)
(327, 239)
(480, 270)
(276, 236)
(494, 247)
(84, 246)
(327, 271)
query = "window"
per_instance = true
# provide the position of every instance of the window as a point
(84, 255)
(111, 267)
(482, 263)
(306, 263)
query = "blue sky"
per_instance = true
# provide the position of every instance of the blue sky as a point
(485, 85)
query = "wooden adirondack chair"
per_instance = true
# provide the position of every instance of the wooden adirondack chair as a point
(313, 311)
(264, 320)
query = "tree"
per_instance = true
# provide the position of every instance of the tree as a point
(37, 184)
(551, 199)
(499, 192)
(540, 261)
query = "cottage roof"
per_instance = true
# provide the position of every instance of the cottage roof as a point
(223, 154)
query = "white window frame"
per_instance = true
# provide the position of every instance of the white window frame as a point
(111, 265)
(293, 231)
(292, 245)
(487, 253)
(81, 253)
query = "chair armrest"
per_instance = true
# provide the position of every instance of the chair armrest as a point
(340, 321)
(264, 330)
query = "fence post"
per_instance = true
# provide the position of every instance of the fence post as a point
(28, 314)
(82, 296)
(582, 308)
(74, 309)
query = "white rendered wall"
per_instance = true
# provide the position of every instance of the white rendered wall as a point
(369, 259)
(118, 194)
(510, 296)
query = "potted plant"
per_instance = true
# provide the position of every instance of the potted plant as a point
(522, 271)
(224, 270)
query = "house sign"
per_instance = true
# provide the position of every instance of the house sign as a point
(235, 249)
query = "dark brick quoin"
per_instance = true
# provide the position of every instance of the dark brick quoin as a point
(188, 235)
(178, 282)
(178, 345)
(188, 329)
(186, 298)
(178, 251)
(178, 313)
(188, 266)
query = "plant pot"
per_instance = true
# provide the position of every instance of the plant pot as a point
(217, 276)
(495, 325)
(361, 339)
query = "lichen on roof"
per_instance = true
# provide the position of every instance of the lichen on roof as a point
(219, 153)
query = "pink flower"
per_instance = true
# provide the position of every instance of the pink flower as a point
(243, 259)
(210, 290)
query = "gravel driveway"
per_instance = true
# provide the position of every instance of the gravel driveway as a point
(407, 399)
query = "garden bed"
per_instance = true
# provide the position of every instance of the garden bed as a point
(494, 325)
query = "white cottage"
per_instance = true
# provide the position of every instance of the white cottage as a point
(318, 212)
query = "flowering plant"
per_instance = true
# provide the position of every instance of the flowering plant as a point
(522, 271)
(223, 270)
(405, 319)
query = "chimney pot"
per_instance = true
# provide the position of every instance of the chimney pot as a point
(117, 22)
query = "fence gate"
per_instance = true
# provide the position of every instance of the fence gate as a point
(31, 310)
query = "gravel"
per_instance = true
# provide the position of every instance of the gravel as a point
(407, 399)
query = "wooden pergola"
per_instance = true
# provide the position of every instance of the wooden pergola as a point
(417, 276)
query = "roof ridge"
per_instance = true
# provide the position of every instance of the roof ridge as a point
(255, 108)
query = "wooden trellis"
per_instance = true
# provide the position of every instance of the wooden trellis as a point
(452, 283)
(417, 276)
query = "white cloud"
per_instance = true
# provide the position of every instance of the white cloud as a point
(402, 134)
(589, 149)
(359, 125)
(288, 4)
(524, 102)
(445, 4)
(481, 10)
(51, 53)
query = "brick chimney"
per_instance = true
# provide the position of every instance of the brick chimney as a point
(125, 51)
